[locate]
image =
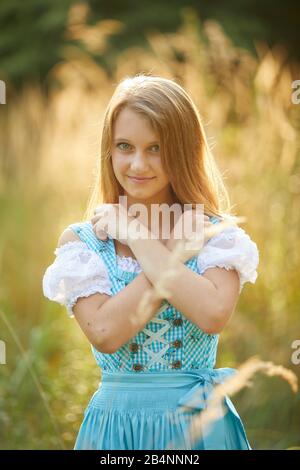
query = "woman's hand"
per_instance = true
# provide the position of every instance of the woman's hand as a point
(113, 220)
(172, 242)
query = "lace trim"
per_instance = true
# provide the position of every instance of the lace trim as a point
(231, 249)
(66, 246)
(86, 293)
(228, 234)
(127, 263)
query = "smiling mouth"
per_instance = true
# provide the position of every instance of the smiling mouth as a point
(140, 179)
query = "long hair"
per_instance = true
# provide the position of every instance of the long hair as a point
(185, 154)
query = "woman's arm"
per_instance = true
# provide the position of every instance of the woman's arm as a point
(207, 300)
(116, 319)
(110, 321)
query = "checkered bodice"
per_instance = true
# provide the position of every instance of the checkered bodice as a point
(168, 341)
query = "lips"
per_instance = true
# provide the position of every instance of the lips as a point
(139, 179)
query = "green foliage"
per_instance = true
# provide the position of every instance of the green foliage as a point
(33, 40)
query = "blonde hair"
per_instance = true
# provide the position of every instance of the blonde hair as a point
(185, 154)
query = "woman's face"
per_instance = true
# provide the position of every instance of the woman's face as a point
(136, 153)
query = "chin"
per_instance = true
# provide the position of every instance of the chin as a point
(140, 194)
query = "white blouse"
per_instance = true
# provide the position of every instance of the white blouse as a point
(78, 271)
(231, 249)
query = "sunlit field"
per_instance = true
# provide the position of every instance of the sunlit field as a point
(50, 143)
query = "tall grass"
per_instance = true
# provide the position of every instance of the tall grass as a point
(49, 149)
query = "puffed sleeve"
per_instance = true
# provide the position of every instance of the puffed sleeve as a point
(77, 271)
(231, 249)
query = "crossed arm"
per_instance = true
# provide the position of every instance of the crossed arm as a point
(207, 300)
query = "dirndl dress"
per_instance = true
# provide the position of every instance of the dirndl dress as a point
(150, 411)
(154, 387)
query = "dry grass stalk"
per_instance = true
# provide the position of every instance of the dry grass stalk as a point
(201, 422)
(160, 290)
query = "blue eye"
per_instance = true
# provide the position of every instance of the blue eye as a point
(122, 143)
(125, 143)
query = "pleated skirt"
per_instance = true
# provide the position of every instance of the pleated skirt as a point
(160, 411)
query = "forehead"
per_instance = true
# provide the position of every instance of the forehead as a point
(133, 126)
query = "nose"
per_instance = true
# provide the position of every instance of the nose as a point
(139, 163)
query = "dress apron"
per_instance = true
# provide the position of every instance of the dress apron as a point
(155, 410)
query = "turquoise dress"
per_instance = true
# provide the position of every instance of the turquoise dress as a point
(153, 387)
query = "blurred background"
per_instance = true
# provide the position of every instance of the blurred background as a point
(60, 62)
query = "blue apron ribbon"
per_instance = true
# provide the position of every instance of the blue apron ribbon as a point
(197, 398)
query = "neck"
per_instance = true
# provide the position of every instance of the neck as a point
(168, 198)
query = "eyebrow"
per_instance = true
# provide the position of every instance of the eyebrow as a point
(150, 143)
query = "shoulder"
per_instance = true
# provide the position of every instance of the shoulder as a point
(78, 232)
(85, 232)
(232, 248)
(71, 241)
(77, 270)
(78, 240)
(66, 236)
(75, 255)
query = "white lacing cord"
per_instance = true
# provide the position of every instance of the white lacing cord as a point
(157, 356)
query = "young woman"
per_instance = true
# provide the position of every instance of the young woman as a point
(153, 151)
